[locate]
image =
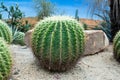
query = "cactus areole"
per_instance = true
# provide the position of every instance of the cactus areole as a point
(58, 42)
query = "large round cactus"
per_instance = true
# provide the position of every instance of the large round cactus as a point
(5, 32)
(5, 60)
(19, 38)
(116, 46)
(58, 42)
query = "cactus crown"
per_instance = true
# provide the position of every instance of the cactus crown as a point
(58, 42)
(5, 60)
(116, 46)
(5, 32)
(58, 18)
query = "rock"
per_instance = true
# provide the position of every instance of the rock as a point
(16, 72)
(95, 41)
(28, 37)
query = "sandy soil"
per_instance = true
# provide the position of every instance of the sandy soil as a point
(100, 66)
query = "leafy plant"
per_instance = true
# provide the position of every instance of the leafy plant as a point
(5, 60)
(25, 27)
(85, 26)
(14, 16)
(106, 24)
(44, 8)
(58, 42)
(113, 7)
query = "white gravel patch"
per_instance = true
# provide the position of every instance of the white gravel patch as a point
(100, 66)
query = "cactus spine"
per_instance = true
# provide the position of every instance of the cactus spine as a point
(58, 42)
(5, 32)
(5, 60)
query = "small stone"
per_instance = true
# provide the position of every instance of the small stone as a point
(16, 72)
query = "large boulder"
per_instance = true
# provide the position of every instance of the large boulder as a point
(95, 41)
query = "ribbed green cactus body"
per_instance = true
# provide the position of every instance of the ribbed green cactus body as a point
(5, 32)
(116, 46)
(19, 38)
(58, 42)
(5, 60)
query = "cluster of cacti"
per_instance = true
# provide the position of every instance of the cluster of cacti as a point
(5, 32)
(58, 42)
(116, 46)
(19, 38)
(5, 60)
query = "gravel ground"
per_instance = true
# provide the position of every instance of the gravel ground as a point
(100, 66)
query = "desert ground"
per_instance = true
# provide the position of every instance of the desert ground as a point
(101, 66)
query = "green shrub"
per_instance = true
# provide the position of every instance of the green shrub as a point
(5, 60)
(25, 27)
(5, 32)
(19, 38)
(58, 42)
(44, 8)
(14, 15)
(85, 26)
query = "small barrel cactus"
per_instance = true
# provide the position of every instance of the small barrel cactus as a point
(5, 32)
(116, 46)
(5, 60)
(58, 42)
(19, 38)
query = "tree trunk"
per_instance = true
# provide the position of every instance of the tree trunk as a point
(114, 18)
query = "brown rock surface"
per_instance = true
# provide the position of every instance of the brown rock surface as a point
(95, 41)
(28, 37)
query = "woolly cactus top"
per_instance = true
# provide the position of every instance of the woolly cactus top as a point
(60, 18)
(5, 32)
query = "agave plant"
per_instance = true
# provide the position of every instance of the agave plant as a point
(105, 25)
(114, 8)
